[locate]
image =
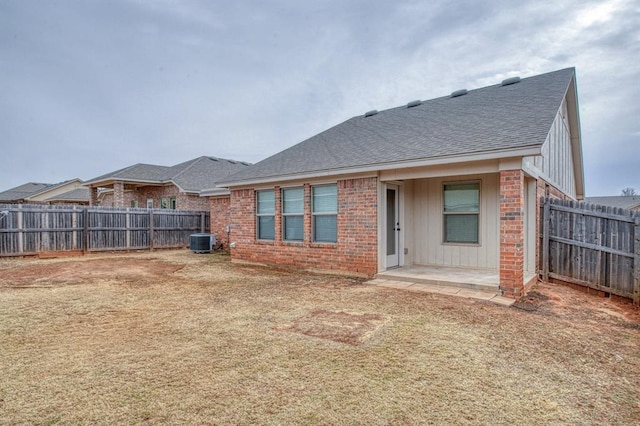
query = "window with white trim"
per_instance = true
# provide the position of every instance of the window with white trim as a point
(324, 208)
(462, 213)
(292, 214)
(265, 215)
(150, 203)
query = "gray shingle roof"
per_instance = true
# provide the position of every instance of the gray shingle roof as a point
(78, 194)
(203, 172)
(628, 202)
(493, 118)
(191, 176)
(23, 191)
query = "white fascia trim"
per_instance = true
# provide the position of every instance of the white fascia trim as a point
(519, 152)
(214, 192)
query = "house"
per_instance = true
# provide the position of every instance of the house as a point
(67, 192)
(629, 202)
(449, 182)
(167, 187)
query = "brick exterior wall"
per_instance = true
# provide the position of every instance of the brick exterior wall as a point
(141, 194)
(355, 251)
(512, 209)
(220, 218)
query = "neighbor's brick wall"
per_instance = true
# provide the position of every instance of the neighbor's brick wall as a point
(355, 251)
(183, 201)
(220, 218)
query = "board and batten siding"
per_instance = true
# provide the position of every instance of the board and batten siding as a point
(555, 164)
(424, 224)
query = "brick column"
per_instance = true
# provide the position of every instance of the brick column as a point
(93, 196)
(118, 194)
(512, 205)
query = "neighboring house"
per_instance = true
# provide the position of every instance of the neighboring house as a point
(67, 192)
(151, 186)
(629, 202)
(454, 181)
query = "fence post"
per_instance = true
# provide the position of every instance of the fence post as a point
(636, 263)
(151, 233)
(546, 218)
(74, 226)
(128, 231)
(20, 229)
(85, 230)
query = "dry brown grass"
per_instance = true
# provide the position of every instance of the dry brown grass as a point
(174, 337)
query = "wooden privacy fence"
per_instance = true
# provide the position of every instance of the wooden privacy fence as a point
(30, 229)
(591, 245)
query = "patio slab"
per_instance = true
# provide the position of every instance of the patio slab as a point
(479, 284)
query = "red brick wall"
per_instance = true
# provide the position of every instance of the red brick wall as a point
(183, 201)
(354, 252)
(512, 205)
(220, 218)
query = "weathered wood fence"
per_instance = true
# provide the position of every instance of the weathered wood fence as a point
(591, 245)
(30, 229)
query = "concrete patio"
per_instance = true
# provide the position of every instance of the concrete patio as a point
(481, 284)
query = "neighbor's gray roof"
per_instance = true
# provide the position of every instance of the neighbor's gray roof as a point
(191, 176)
(493, 118)
(623, 202)
(78, 194)
(23, 191)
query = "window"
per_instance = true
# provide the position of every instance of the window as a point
(150, 203)
(325, 213)
(164, 203)
(172, 203)
(461, 212)
(265, 215)
(134, 203)
(292, 214)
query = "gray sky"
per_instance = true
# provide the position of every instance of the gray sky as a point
(88, 87)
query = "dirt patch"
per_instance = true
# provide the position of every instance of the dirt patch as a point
(342, 327)
(50, 273)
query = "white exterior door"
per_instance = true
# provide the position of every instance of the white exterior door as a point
(392, 225)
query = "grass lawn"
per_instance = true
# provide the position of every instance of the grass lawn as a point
(175, 337)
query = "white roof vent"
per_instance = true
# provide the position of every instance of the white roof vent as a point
(508, 81)
(370, 113)
(414, 104)
(458, 93)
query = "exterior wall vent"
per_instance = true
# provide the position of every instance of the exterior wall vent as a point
(371, 113)
(508, 81)
(458, 93)
(414, 104)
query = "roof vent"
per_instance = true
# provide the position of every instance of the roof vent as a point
(370, 113)
(458, 93)
(508, 81)
(232, 161)
(414, 104)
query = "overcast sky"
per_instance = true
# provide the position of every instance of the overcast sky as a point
(88, 87)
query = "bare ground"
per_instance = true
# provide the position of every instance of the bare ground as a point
(175, 337)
